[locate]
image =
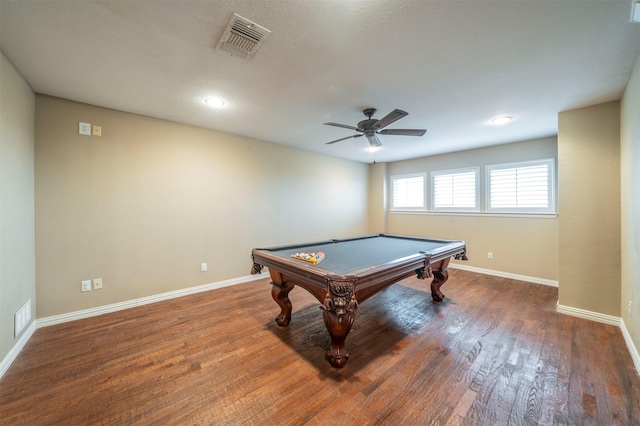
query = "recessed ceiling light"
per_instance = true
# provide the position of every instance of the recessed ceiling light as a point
(215, 102)
(501, 120)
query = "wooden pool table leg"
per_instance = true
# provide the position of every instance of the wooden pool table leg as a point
(338, 327)
(440, 276)
(280, 292)
(339, 310)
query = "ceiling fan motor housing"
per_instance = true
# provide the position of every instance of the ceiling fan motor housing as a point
(371, 127)
(367, 124)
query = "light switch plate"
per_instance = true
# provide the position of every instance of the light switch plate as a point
(84, 128)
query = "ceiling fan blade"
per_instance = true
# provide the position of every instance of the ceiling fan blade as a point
(343, 139)
(343, 125)
(394, 115)
(403, 132)
(373, 140)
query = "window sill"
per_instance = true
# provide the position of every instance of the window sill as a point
(479, 214)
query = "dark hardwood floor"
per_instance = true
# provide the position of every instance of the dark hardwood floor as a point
(494, 353)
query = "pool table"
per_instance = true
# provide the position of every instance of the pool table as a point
(353, 270)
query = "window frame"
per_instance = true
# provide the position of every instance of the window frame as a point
(423, 208)
(435, 173)
(551, 187)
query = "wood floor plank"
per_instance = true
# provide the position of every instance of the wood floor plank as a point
(494, 352)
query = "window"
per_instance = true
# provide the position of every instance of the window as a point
(527, 187)
(407, 192)
(455, 190)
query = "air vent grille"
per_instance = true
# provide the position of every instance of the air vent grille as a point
(242, 37)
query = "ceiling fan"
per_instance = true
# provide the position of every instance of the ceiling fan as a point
(371, 127)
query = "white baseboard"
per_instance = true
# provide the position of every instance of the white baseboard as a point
(526, 278)
(13, 353)
(92, 312)
(593, 316)
(632, 348)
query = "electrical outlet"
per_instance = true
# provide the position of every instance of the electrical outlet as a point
(97, 283)
(629, 308)
(203, 267)
(86, 285)
(489, 255)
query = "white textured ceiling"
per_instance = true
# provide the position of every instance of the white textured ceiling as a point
(453, 65)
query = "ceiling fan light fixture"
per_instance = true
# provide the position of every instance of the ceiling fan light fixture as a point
(374, 148)
(499, 121)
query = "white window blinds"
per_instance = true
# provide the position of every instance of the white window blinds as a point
(521, 187)
(408, 192)
(455, 190)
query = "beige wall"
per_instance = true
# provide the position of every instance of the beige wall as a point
(378, 199)
(146, 203)
(17, 253)
(520, 245)
(589, 207)
(630, 191)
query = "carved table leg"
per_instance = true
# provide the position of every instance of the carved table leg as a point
(339, 308)
(338, 327)
(280, 293)
(440, 276)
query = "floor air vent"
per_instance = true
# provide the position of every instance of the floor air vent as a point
(242, 37)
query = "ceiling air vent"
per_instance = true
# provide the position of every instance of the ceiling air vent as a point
(242, 37)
